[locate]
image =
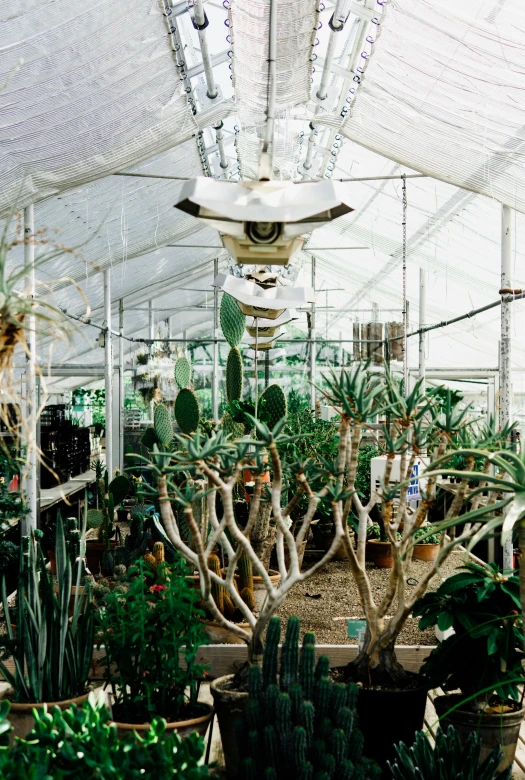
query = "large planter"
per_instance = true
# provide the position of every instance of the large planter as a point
(183, 727)
(228, 705)
(21, 715)
(259, 588)
(387, 717)
(218, 635)
(300, 554)
(492, 729)
(426, 552)
(379, 553)
(340, 553)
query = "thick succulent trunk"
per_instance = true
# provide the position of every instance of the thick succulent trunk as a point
(375, 666)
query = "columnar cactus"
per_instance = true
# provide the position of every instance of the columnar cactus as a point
(222, 598)
(303, 727)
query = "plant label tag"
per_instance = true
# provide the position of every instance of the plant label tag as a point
(355, 627)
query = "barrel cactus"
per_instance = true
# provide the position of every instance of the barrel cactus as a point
(95, 518)
(187, 412)
(163, 425)
(232, 320)
(275, 404)
(182, 372)
(297, 722)
(234, 375)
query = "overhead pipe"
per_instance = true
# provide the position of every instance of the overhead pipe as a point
(108, 373)
(266, 158)
(200, 22)
(505, 359)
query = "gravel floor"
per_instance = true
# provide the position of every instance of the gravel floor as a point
(339, 599)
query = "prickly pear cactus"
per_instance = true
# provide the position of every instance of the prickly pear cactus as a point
(118, 489)
(298, 723)
(234, 375)
(233, 320)
(95, 518)
(163, 426)
(275, 405)
(182, 372)
(187, 412)
(232, 428)
(149, 439)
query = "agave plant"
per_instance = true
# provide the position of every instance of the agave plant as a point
(52, 654)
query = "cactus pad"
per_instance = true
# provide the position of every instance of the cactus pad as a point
(187, 412)
(232, 428)
(182, 372)
(119, 488)
(163, 426)
(149, 439)
(275, 404)
(234, 375)
(232, 320)
(95, 518)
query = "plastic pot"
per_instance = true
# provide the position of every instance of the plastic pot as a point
(426, 552)
(228, 705)
(21, 715)
(492, 729)
(379, 553)
(387, 717)
(183, 727)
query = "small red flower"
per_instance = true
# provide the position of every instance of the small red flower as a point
(157, 588)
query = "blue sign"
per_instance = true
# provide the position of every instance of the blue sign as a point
(413, 493)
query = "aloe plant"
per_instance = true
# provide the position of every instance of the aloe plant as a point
(51, 653)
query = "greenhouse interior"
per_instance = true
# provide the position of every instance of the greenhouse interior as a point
(262, 390)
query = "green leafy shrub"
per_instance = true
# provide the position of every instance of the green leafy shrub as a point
(82, 743)
(449, 759)
(142, 631)
(482, 605)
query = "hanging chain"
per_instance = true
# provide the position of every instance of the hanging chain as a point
(405, 323)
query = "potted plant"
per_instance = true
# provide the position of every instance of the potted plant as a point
(83, 742)
(99, 553)
(151, 633)
(428, 548)
(482, 658)
(379, 550)
(52, 653)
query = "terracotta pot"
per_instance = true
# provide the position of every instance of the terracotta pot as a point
(21, 715)
(426, 552)
(259, 589)
(300, 554)
(340, 554)
(379, 553)
(218, 635)
(183, 727)
(228, 705)
(492, 729)
(94, 552)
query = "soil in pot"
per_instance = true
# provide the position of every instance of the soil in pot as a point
(21, 715)
(379, 553)
(387, 717)
(426, 552)
(200, 721)
(229, 703)
(491, 728)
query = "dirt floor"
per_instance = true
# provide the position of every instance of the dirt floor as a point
(327, 599)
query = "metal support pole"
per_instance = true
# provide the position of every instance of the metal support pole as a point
(29, 522)
(151, 322)
(505, 367)
(122, 462)
(108, 373)
(313, 347)
(215, 367)
(422, 322)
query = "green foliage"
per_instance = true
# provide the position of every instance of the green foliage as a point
(118, 489)
(234, 375)
(149, 439)
(424, 537)
(182, 372)
(450, 759)
(95, 518)
(232, 428)
(302, 727)
(163, 425)
(275, 404)
(187, 412)
(83, 743)
(233, 320)
(51, 653)
(142, 632)
(486, 649)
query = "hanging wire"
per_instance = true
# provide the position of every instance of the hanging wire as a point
(404, 255)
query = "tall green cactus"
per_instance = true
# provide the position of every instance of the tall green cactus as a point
(275, 404)
(234, 375)
(233, 320)
(187, 411)
(305, 727)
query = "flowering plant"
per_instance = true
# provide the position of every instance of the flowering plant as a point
(143, 627)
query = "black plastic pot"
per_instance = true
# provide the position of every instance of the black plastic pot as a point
(387, 717)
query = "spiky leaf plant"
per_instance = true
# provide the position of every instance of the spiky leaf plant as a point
(182, 372)
(163, 426)
(187, 412)
(233, 320)
(275, 404)
(234, 375)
